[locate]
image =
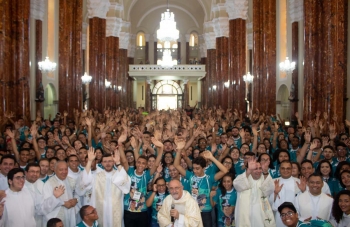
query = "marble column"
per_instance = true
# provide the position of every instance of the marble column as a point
(146, 48)
(123, 63)
(38, 56)
(325, 59)
(187, 36)
(130, 85)
(264, 52)
(221, 28)
(14, 58)
(155, 53)
(113, 27)
(97, 52)
(210, 42)
(237, 11)
(70, 55)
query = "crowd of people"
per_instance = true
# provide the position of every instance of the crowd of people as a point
(193, 167)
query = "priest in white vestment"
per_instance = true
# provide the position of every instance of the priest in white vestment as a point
(109, 187)
(253, 190)
(21, 205)
(313, 203)
(68, 208)
(286, 189)
(186, 211)
(7, 163)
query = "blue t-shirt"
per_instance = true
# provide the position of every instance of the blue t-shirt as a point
(135, 200)
(200, 189)
(238, 167)
(157, 204)
(226, 207)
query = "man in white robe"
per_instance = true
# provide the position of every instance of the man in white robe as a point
(21, 205)
(186, 211)
(253, 190)
(7, 163)
(313, 203)
(67, 209)
(109, 187)
(286, 189)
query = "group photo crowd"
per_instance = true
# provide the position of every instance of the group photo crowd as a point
(187, 167)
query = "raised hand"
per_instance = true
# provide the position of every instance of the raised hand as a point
(155, 187)
(156, 142)
(10, 133)
(116, 156)
(88, 121)
(160, 168)
(180, 142)
(58, 191)
(307, 137)
(133, 142)
(122, 137)
(313, 145)
(207, 155)
(297, 115)
(278, 187)
(302, 184)
(91, 154)
(252, 164)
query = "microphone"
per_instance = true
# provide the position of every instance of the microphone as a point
(172, 218)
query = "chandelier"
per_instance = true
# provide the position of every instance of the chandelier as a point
(167, 60)
(287, 66)
(248, 78)
(86, 79)
(47, 66)
(167, 30)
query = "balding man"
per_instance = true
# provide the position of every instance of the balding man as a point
(66, 209)
(186, 211)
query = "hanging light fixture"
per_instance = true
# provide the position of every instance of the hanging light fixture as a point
(287, 66)
(47, 66)
(167, 29)
(248, 78)
(167, 60)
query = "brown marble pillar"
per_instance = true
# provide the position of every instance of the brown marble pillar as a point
(147, 96)
(204, 86)
(14, 58)
(112, 70)
(97, 59)
(70, 55)
(222, 53)
(325, 59)
(130, 90)
(237, 52)
(295, 52)
(123, 58)
(211, 72)
(264, 48)
(38, 56)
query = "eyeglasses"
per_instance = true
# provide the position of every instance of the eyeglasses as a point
(228, 163)
(92, 212)
(288, 214)
(20, 177)
(161, 185)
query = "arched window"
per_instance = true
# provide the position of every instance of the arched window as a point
(194, 50)
(140, 41)
(193, 39)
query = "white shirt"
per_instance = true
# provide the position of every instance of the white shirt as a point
(3, 182)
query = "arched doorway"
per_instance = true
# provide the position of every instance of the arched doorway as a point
(50, 104)
(283, 104)
(167, 94)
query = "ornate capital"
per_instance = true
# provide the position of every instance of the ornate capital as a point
(98, 8)
(221, 26)
(210, 40)
(113, 26)
(116, 6)
(218, 7)
(123, 40)
(203, 50)
(37, 9)
(180, 38)
(296, 10)
(237, 9)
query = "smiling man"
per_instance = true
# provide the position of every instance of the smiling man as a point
(186, 211)
(313, 203)
(289, 215)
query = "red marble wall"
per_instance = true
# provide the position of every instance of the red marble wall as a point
(211, 72)
(112, 70)
(237, 63)
(14, 57)
(97, 62)
(325, 28)
(294, 99)
(264, 55)
(70, 68)
(38, 57)
(130, 90)
(204, 86)
(123, 62)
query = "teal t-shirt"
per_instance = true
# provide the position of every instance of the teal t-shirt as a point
(135, 200)
(226, 207)
(200, 189)
(157, 204)
(238, 167)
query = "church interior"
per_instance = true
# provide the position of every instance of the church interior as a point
(278, 56)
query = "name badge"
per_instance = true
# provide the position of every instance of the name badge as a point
(137, 195)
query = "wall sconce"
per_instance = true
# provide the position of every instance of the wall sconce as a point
(227, 84)
(117, 89)
(107, 84)
(86, 79)
(214, 87)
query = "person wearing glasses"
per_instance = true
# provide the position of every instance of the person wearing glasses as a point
(88, 216)
(289, 215)
(179, 206)
(20, 206)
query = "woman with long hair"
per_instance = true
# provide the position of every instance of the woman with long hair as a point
(225, 201)
(324, 168)
(341, 209)
(345, 179)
